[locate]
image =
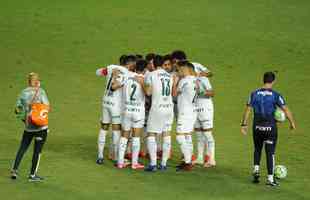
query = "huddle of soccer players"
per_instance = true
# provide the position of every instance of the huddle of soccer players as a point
(143, 97)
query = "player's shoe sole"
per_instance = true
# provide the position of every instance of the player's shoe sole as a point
(14, 175)
(184, 167)
(151, 168)
(198, 162)
(162, 168)
(209, 165)
(137, 166)
(35, 178)
(100, 161)
(272, 184)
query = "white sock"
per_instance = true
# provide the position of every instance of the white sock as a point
(211, 146)
(166, 150)
(256, 168)
(101, 142)
(121, 150)
(270, 177)
(116, 135)
(190, 147)
(135, 150)
(200, 146)
(152, 148)
(184, 148)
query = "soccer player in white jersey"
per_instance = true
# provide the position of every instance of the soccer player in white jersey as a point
(186, 93)
(204, 124)
(112, 104)
(133, 115)
(158, 84)
(179, 55)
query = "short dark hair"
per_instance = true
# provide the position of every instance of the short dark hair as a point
(149, 57)
(186, 63)
(122, 59)
(139, 56)
(269, 77)
(167, 57)
(140, 65)
(129, 58)
(158, 61)
(178, 54)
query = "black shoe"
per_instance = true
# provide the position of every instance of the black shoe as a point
(35, 178)
(100, 161)
(14, 174)
(180, 166)
(184, 167)
(272, 184)
(256, 177)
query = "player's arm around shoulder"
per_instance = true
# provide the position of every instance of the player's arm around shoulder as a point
(102, 71)
(147, 84)
(175, 83)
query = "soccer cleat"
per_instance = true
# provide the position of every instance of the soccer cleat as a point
(14, 174)
(137, 166)
(121, 166)
(150, 168)
(188, 167)
(256, 177)
(198, 162)
(162, 167)
(272, 183)
(35, 178)
(100, 161)
(209, 165)
(184, 167)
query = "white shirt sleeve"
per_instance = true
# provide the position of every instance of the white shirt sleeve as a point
(148, 79)
(200, 68)
(181, 85)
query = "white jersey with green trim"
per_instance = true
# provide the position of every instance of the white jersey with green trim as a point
(160, 82)
(111, 97)
(199, 67)
(187, 95)
(204, 85)
(133, 94)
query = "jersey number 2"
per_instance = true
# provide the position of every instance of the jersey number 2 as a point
(133, 91)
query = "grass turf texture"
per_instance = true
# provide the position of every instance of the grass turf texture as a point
(65, 41)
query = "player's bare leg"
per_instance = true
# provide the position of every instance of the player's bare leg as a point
(101, 142)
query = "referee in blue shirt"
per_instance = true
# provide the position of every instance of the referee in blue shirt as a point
(264, 102)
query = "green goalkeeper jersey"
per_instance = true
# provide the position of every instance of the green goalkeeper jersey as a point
(23, 106)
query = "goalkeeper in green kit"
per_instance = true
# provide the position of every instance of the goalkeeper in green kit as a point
(32, 94)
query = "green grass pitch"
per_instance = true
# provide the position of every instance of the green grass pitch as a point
(66, 40)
